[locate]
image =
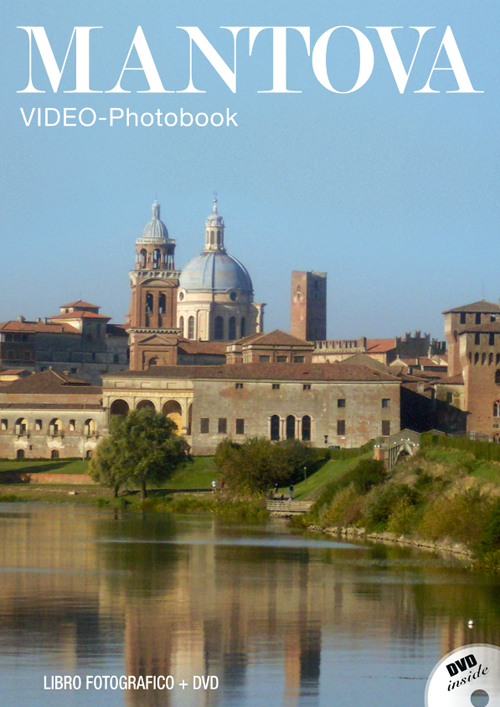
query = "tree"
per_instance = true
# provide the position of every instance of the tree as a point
(142, 448)
(258, 464)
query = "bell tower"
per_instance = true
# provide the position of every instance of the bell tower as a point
(152, 317)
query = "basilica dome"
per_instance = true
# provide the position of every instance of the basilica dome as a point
(217, 271)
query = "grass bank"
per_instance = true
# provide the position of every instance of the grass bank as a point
(442, 496)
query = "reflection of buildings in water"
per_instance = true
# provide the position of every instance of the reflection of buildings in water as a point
(196, 607)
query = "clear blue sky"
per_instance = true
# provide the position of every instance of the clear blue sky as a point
(395, 196)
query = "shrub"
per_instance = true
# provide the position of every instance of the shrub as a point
(384, 500)
(345, 509)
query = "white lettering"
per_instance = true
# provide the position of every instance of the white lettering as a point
(366, 59)
(279, 54)
(457, 66)
(148, 65)
(392, 53)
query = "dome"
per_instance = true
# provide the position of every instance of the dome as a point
(215, 271)
(155, 229)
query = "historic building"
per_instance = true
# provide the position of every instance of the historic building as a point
(325, 404)
(308, 305)
(473, 336)
(50, 415)
(78, 340)
(215, 297)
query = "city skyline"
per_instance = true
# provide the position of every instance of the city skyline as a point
(393, 195)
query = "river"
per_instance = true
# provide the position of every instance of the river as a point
(265, 616)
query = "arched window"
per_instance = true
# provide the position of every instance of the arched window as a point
(490, 359)
(306, 428)
(153, 361)
(54, 454)
(219, 329)
(156, 258)
(290, 427)
(190, 328)
(497, 376)
(496, 408)
(21, 426)
(275, 428)
(232, 329)
(55, 427)
(476, 357)
(88, 454)
(483, 358)
(181, 325)
(149, 303)
(143, 258)
(89, 428)
(20, 454)
(243, 327)
(162, 303)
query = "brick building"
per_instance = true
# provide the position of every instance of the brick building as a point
(473, 335)
(78, 340)
(331, 404)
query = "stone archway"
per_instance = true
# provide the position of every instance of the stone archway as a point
(173, 410)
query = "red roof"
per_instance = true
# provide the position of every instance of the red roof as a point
(79, 315)
(50, 382)
(38, 327)
(380, 345)
(265, 371)
(81, 303)
(482, 306)
(275, 338)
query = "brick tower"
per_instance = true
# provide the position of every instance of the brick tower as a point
(308, 308)
(153, 333)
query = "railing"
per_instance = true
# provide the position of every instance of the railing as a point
(288, 506)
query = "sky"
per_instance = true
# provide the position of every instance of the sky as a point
(394, 195)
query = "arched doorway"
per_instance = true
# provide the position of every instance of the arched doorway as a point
(145, 405)
(173, 410)
(119, 407)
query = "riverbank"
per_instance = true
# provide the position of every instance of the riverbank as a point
(440, 499)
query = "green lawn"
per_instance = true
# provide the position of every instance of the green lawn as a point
(311, 488)
(52, 466)
(197, 474)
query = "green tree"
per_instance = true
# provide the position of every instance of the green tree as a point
(142, 448)
(258, 464)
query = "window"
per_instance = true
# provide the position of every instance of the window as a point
(462, 317)
(492, 339)
(386, 428)
(306, 386)
(341, 427)
(290, 427)
(281, 359)
(219, 329)
(477, 338)
(299, 359)
(240, 426)
(72, 425)
(478, 318)
(75, 370)
(20, 454)
(222, 426)
(275, 428)
(497, 376)
(88, 454)
(238, 386)
(493, 318)
(232, 329)
(496, 408)
(386, 402)
(242, 327)
(162, 304)
(38, 425)
(306, 428)
(190, 328)
(449, 398)
(276, 386)
(181, 325)
(341, 403)
(4, 425)
(54, 454)
(264, 359)
(204, 425)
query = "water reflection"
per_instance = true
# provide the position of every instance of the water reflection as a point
(280, 619)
